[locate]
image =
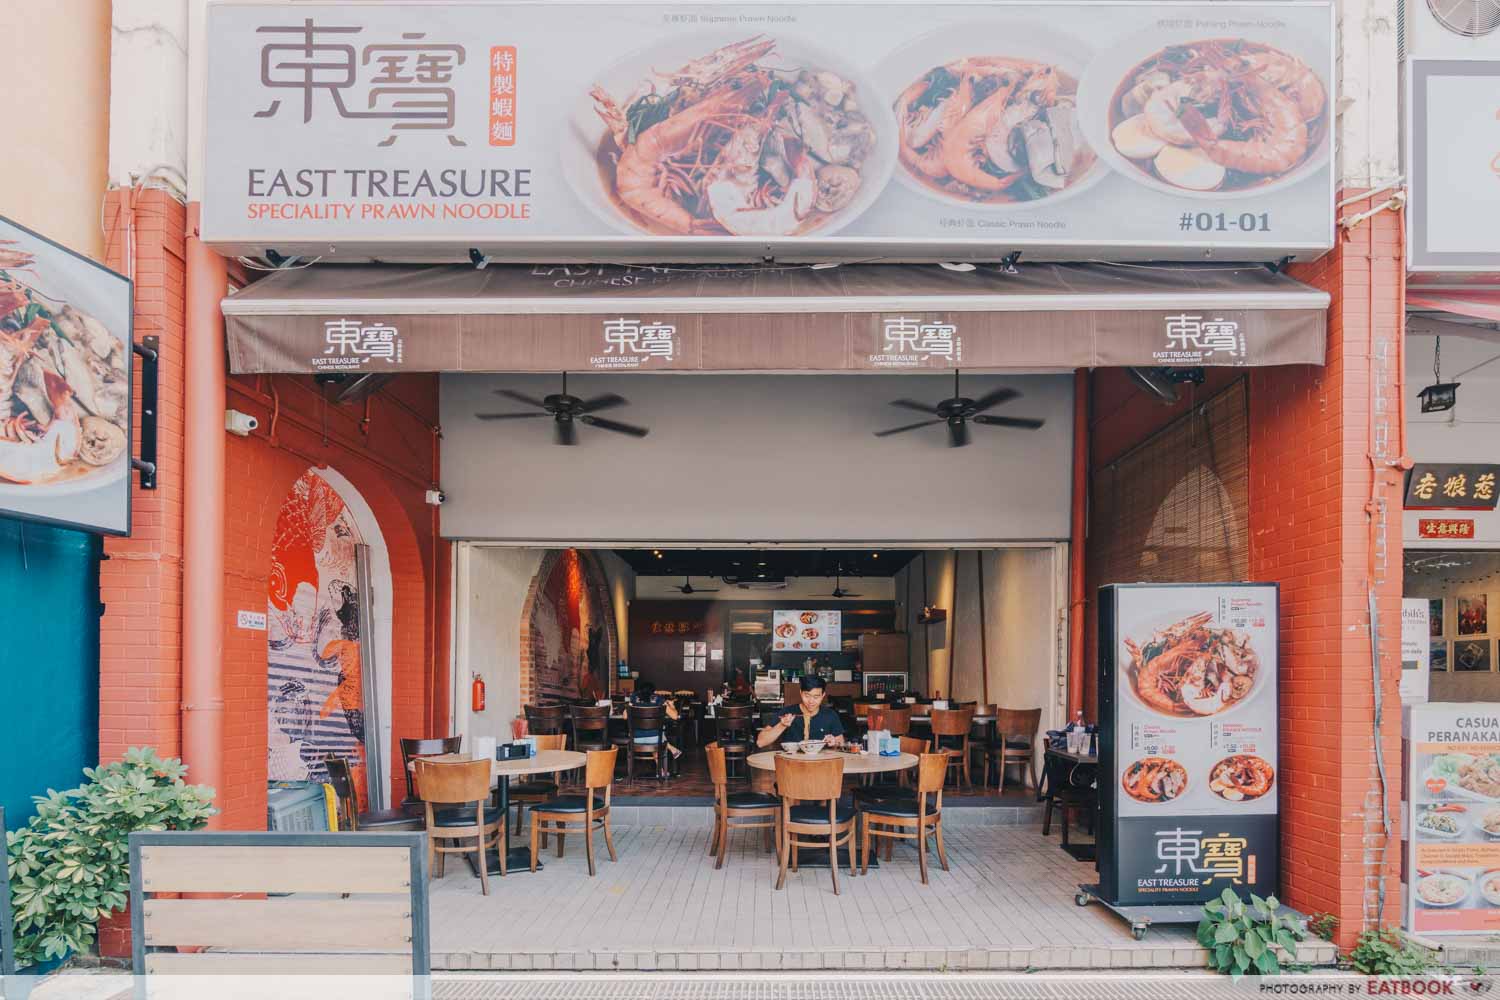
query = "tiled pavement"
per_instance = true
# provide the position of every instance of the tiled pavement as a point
(1006, 904)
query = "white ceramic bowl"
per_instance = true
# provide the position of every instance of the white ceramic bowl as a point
(1468, 888)
(1105, 74)
(791, 747)
(1266, 655)
(580, 145)
(812, 747)
(1021, 38)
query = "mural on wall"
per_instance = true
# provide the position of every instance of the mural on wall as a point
(315, 697)
(568, 633)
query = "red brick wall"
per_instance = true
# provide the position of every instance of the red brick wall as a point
(386, 447)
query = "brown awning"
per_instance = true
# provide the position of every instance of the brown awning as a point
(375, 318)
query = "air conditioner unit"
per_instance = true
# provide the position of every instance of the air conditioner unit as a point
(1449, 29)
(761, 585)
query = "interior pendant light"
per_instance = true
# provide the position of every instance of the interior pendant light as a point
(1440, 395)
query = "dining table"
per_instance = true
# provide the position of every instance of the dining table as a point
(544, 762)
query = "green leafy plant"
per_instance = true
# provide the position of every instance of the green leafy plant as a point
(70, 865)
(1384, 952)
(1323, 925)
(1242, 939)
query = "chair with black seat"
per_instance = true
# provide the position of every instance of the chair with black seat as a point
(810, 790)
(950, 735)
(734, 734)
(747, 810)
(1014, 743)
(910, 818)
(648, 737)
(590, 727)
(579, 812)
(341, 777)
(545, 720)
(455, 796)
(537, 788)
(411, 749)
(901, 787)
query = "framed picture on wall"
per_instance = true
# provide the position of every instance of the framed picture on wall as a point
(1473, 615)
(1435, 617)
(1438, 659)
(1472, 655)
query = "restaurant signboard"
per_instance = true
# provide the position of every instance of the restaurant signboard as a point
(1188, 745)
(1452, 138)
(1452, 868)
(814, 129)
(1451, 486)
(65, 370)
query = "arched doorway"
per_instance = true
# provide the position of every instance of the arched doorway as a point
(569, 631)
(328, 640)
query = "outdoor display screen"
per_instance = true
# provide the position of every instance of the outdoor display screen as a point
(916, 129)
(65, 386)
(1187, 753)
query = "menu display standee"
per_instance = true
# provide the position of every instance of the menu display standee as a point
(1188, 747)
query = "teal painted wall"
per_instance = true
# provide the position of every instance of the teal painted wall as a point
(49, 661)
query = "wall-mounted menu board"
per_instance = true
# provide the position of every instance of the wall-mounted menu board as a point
(1187, 753)
(807, 631)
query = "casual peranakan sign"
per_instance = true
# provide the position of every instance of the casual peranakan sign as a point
(1451, 487)
(1188, 745)
(1155, 129)
(1452, 870)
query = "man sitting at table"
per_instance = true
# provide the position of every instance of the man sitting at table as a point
(811, 720)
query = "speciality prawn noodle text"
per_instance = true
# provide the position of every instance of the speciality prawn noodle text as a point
(993, 129)
(1219, 115)
(1190, 669)
(735, 144)
(64, 385)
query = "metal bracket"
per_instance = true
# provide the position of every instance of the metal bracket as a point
(1008, 265)
(148, 350)
(1276, 267)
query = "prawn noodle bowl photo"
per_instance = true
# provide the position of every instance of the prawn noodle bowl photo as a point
(1154, 779)
(1191, 668)
(991, 129)
(738, 142)
(64, 386)
(1219, 115)
(1241, 778)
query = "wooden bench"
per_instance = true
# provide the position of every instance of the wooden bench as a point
(247, 926)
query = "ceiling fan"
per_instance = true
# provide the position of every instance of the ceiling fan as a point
(838, 590)
(958, 411)
(688, 588)
(567, 412)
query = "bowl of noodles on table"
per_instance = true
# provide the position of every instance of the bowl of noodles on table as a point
(757, 136)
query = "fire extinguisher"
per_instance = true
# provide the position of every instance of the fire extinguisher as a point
(477, 696)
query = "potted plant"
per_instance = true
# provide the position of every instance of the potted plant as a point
(70, 865)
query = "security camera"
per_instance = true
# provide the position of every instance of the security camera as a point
(239, 423)
(436, 497)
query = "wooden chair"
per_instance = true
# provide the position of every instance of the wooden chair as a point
(734, 734)
(544, 720)
(537, 788)
(579, 812)
(950, 735)
(410, 751)
(910, 818)
(895, 720)
(1014, 743)
(464, 788)
(237, 903)
(590, 727)
(751, 806)
(818, 783)
(980, 733)
(650, 719)
(341, 777)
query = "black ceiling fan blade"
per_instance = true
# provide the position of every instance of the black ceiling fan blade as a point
(844, 593)
(912, 404)
(521, 397)
(567, 432)
(1029, 423)
(995, 398)
(958, 433)
(509, 416)
(616, 426)
(908, 427)
(607, 401)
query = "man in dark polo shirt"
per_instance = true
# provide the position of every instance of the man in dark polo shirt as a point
(811, 720)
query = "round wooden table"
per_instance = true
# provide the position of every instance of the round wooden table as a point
(854, 763)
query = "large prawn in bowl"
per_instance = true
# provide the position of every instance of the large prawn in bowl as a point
(1190, 668)
(746, 140)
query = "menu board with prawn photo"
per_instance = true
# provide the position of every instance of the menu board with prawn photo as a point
(806, 631)
(1187, 748)
(1452, 870)
(65, 386)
